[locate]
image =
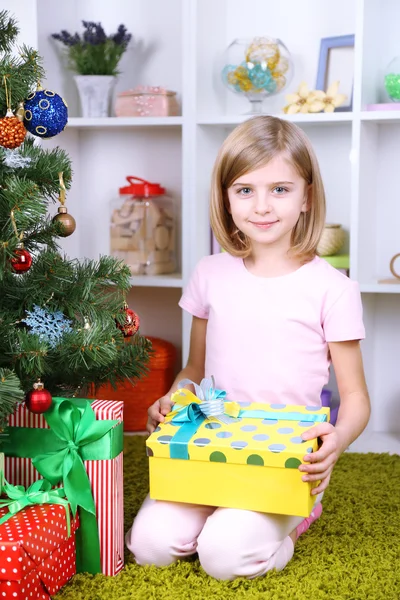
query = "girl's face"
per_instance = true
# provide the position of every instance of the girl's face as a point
(266, 204)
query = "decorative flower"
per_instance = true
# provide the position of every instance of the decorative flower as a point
(330, 99)
(314, 101)
(302, 101)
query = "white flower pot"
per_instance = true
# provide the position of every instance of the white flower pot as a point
(95, 94)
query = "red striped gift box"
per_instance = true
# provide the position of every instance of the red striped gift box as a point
(106, 478)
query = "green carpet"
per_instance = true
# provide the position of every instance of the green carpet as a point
(351, 553)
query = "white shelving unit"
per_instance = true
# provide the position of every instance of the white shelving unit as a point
(123, 122)
(299, 119)
(171, 281)
(176, 45)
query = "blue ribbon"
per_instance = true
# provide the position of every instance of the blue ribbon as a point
(191, 417)
(212, 400)
(283, 416)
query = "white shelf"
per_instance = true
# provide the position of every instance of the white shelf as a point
(173, 280)
(308, 119)
(380, 288)
(381, 116)
(380, 442)
(117, 122)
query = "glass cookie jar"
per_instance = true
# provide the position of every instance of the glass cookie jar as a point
(143, 228)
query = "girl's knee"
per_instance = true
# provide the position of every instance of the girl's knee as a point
(148, 548)
(227, 560)
(158, 542)
(219, 558)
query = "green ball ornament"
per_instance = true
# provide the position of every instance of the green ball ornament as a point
(392, 79)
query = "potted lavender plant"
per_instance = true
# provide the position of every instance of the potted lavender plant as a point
(95, 57)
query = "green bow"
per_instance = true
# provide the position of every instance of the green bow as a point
(75, 424)
(39, 492)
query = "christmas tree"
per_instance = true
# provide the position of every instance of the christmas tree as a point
(63, 322)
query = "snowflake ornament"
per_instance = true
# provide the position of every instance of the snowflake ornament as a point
(50, 327)
(14, 160)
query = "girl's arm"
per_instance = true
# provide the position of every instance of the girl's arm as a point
(355, 408)
(193, 370)
(353, 414)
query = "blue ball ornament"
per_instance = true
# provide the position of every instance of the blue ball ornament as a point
(261, 77)
(46, 113)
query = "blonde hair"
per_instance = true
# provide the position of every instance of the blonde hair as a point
(250, 146)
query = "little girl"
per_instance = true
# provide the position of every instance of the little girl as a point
(269, 316)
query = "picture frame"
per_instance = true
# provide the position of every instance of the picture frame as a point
(336, 62)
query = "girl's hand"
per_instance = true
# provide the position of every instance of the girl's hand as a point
(321, 462)
(157, 412)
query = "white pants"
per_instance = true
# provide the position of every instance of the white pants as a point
(230, 542)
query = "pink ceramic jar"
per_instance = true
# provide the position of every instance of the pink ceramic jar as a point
(145, 101)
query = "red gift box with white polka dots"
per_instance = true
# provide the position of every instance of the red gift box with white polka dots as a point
(36, 555)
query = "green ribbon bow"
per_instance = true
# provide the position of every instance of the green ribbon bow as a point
(74, 436)
(39, 492)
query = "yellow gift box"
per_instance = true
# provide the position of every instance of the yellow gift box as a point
(235, 455)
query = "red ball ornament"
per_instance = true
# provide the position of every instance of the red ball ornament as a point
(22, 261)
(38, 400)
(132, 322)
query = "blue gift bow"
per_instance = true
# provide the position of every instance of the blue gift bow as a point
(193, 415)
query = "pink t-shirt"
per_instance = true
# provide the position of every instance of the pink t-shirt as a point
(267, 338)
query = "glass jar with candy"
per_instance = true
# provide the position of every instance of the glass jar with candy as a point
(143, 228)
(257, 68)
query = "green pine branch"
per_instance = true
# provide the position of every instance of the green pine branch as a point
(10, 393)
(22, 74)
(8, 31)
(89, 293)
(43, 169)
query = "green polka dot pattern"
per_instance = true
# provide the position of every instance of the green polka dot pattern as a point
(255, 459)
(292, 463)
(217, 457)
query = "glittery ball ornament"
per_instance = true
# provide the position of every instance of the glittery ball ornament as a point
(21, 262)
(132, 322)
(392, 80)
(38, 400)
(46, 113)
(12, 131)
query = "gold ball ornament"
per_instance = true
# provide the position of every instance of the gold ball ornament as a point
(12, 131)
(68, 222)
(240, 77)
(263, 50)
